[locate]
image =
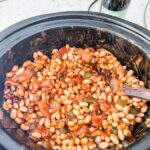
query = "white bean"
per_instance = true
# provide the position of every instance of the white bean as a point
(47, 123)
(125, 120)
(115, 117)
(121, 135)
(130, 116)
(126, 110)
(98, 139)
(119, 107)
(144, 109)
(23, 109)
(13, 113)
(114, 139)
(103, 145)
(76, 112)
(87, 119)
(136, 99)
(140, 115)
(83, 104)
(138, 119)
(24, 127)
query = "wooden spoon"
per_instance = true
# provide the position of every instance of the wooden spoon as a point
(130, 91)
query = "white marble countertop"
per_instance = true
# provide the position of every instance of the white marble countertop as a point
(12, 11)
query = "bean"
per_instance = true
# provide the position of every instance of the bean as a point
(107, 139)
(58, 115)
(36, 135)
(109, 119)
(63, 136)
(109, 98)
(15, 105)
(71, 143)
(83, 104)
(115, 117)
(76, 112)
(13, 113)
(80, 117)
(47, 123)
(119, 107)
(125, 120)
(121, 135)
(20, 71)
(130, 116)
(114, 124)
(107, 89)
(144, 109)
(81, 122)
(130, 73)
(86, 110)
(114, 139)
(23, 109)
(87, 119)
(52, 129)
(98, 139)
(24, 127)
(70, 123)
(127, 132)
(20, 115)
(92, 146)
(136, 99)
(103, 145)
(79, 147)
(138, 119)
(94, 88)
(84, 141)
(84, 147)
(64, 147)
(116, 98)
(76, 107)
(71, 90)
(66, 92)
(56, 147)
(18, 120)
(41, 122)
(87, 81)
(77, 141)
(122, 126)
(140, 115)
(105, 124)
(121, 115)
(126, 110)
(91, 108)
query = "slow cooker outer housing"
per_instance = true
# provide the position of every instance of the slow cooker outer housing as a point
(129, 42)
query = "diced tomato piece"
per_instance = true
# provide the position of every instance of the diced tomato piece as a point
(98, 133)
(85, 56)
(82, 129)
(96, 106)
(61, 52)
(96, 120)
(43, 107)
(103, 105)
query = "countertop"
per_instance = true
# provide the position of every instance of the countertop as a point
(12, 11)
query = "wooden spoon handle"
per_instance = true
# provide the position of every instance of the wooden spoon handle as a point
(137, 92)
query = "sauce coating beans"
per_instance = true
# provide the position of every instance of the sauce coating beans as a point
(66, 101)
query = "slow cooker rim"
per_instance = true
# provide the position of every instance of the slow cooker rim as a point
(143, 33)
(111, 19)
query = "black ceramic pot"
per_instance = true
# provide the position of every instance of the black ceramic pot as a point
(129, 43)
